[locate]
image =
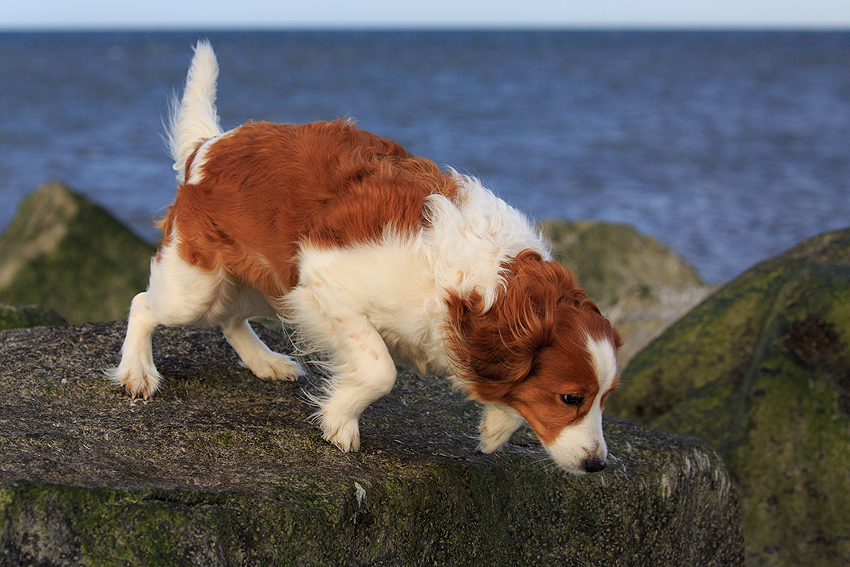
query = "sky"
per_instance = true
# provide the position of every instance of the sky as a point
(283, 14)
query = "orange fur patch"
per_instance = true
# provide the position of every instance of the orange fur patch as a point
(266, 188)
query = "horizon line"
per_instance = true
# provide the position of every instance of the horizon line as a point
(461, 27)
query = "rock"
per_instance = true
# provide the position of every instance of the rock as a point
(15, 316)
(640, 284)
(221, 468)
(762, 370)
(643, 313)
(610, 259)
(64, 252)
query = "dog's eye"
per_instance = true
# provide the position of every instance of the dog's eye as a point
(573, 400)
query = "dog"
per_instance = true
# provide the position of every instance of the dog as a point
(373, 256)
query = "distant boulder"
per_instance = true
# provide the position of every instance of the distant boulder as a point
(639, 283)
(762, 371)
(69, 254)
(16, 316)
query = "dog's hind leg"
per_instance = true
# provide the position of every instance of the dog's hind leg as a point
(178, 294)
(255, 355)
(137, 372)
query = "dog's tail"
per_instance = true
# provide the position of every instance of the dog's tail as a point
(194, 118)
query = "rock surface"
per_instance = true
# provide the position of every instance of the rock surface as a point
(762, 370)
(66, 253)
(640, 284)
(221, 468)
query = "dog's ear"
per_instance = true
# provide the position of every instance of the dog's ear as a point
(599, 320)
(618, 340)
(498, 345)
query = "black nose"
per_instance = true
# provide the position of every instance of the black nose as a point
(593, 465)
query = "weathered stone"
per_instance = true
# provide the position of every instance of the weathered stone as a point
(762, 370)
(64, 252)
(221, 468)
(643, 313)
(17, 316)
(640, 284)
(611, 259)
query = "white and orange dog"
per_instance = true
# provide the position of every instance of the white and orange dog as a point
(374, 256)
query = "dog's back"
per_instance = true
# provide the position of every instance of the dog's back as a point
(252, 196)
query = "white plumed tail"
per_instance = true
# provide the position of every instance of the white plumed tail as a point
(195, 118)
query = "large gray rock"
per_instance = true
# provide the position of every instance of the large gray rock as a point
(64, 252)
(611, 259)
(221, 468)
(762, 370)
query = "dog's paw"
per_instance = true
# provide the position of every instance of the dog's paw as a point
(490, 441)
(345, 434)
(496, 427)
(274, 366)
(137, 381)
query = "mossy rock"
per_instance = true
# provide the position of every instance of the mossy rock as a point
(69, 254)
(17, 316)
(761, 369)
(221, 468)
(612, 259)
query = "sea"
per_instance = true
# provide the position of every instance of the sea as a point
(729, 147)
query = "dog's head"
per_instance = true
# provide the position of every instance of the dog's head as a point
(545, 350)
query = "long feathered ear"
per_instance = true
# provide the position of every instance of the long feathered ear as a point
(602, 324)
(618, 340)
(498, 345)
(493, 345)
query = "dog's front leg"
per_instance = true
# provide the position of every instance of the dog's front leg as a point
(360, 366)
(369, 374)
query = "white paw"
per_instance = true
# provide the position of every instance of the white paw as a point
(274, 366)
(497, 426)
(345, 433)
(490, 441)
(137, 381)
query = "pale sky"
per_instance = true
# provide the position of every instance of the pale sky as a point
(277, 14)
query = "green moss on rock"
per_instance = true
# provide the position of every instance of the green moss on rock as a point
(16, 316)
(221, 468)
(69, 254)
(762, 370)
(612, 259)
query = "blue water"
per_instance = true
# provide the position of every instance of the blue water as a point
(729, 147)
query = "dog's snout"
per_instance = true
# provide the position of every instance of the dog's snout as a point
(593, 464)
